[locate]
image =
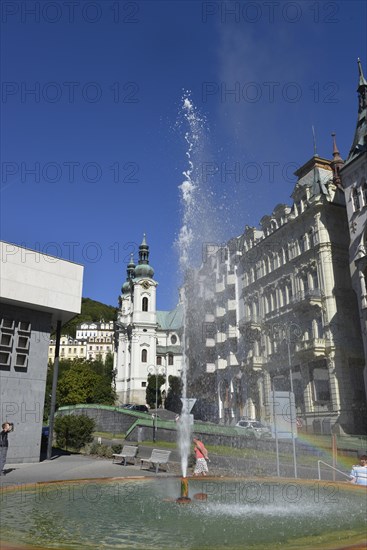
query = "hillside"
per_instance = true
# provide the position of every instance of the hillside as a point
(90, 311)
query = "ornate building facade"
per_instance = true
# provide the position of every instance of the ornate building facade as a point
(278, 303)
(147, 341)
(354, 180)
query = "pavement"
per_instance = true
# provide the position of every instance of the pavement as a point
(65, 466)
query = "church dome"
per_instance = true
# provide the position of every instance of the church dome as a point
(125, 289)
(144, 270)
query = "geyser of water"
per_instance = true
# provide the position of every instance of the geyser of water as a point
(189, 191)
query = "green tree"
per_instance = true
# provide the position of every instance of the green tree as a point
(154, 384)
(81, 384)
(74, 431)
(174, 394)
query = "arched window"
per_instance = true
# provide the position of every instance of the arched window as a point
(144, 355)
(144, 305)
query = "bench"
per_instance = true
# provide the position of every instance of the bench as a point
(128, 452)
(156, 458)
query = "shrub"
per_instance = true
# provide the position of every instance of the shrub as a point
(116, 449)
(74, 431)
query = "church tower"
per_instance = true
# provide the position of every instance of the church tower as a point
(136, 329)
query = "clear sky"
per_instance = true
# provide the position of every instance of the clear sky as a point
(92, 141)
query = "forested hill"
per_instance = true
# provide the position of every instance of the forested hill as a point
(90, 311)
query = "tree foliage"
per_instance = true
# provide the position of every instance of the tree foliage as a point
(173, 400)
(74, 431)
(154, 384)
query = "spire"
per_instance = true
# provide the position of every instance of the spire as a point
(337, 162)
(131, 267)
(143, 252)
(314, 142)
(359, 144)
(362, 80)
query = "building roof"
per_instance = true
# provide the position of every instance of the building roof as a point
(170, 320)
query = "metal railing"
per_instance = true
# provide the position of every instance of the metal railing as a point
(329, 466)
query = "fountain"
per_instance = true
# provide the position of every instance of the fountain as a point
(145, 513)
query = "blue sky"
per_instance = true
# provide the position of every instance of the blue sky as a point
(93, 157)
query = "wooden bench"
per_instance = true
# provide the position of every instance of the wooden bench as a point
(157, 457)
(128, 452)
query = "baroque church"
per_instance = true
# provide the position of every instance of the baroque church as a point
(148, 341)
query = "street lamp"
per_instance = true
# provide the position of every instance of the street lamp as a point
(156, 369)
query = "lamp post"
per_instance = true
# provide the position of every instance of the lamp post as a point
(293, 420)
(156, 369)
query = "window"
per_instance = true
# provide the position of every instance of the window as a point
(24, 326)
(143, 384)
(144, 306)
(320, 384)
(21, 360)
(355, 199)
(173, 339)
(6, 340)
(4, 359)
(23, 342)
(159, 360)
(364, 190)
(170, 359)
(144, 355)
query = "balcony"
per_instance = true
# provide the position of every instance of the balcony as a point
(209, 317)
(257, 362)
(306, 298)
(230, 279)
(219, 287)
(220, 337)
(315, 347)
(232, 332)
(221, 363)
(210, 367)
(220, 311)
(250, 322)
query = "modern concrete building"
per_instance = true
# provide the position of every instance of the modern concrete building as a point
(37, 292)
(147, 341)
(354, 180)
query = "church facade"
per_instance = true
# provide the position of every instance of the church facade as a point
(147, 341)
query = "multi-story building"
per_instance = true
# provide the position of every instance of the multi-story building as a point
(147, 341)
(94, 340)
(276, 303)
(354, 179)
(37, 297)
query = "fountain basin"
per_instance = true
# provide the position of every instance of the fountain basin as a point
(135, 513)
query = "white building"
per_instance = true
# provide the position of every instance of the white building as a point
(354, 180)
(279, 299)
(94, 340)
(147, 340)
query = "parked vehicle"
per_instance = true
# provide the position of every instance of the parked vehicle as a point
(254, 428)
(134, 407)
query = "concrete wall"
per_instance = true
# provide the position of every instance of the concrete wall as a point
(23, 388)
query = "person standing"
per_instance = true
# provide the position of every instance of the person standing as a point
(359, 473)
(6, 428)
(201, 456)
